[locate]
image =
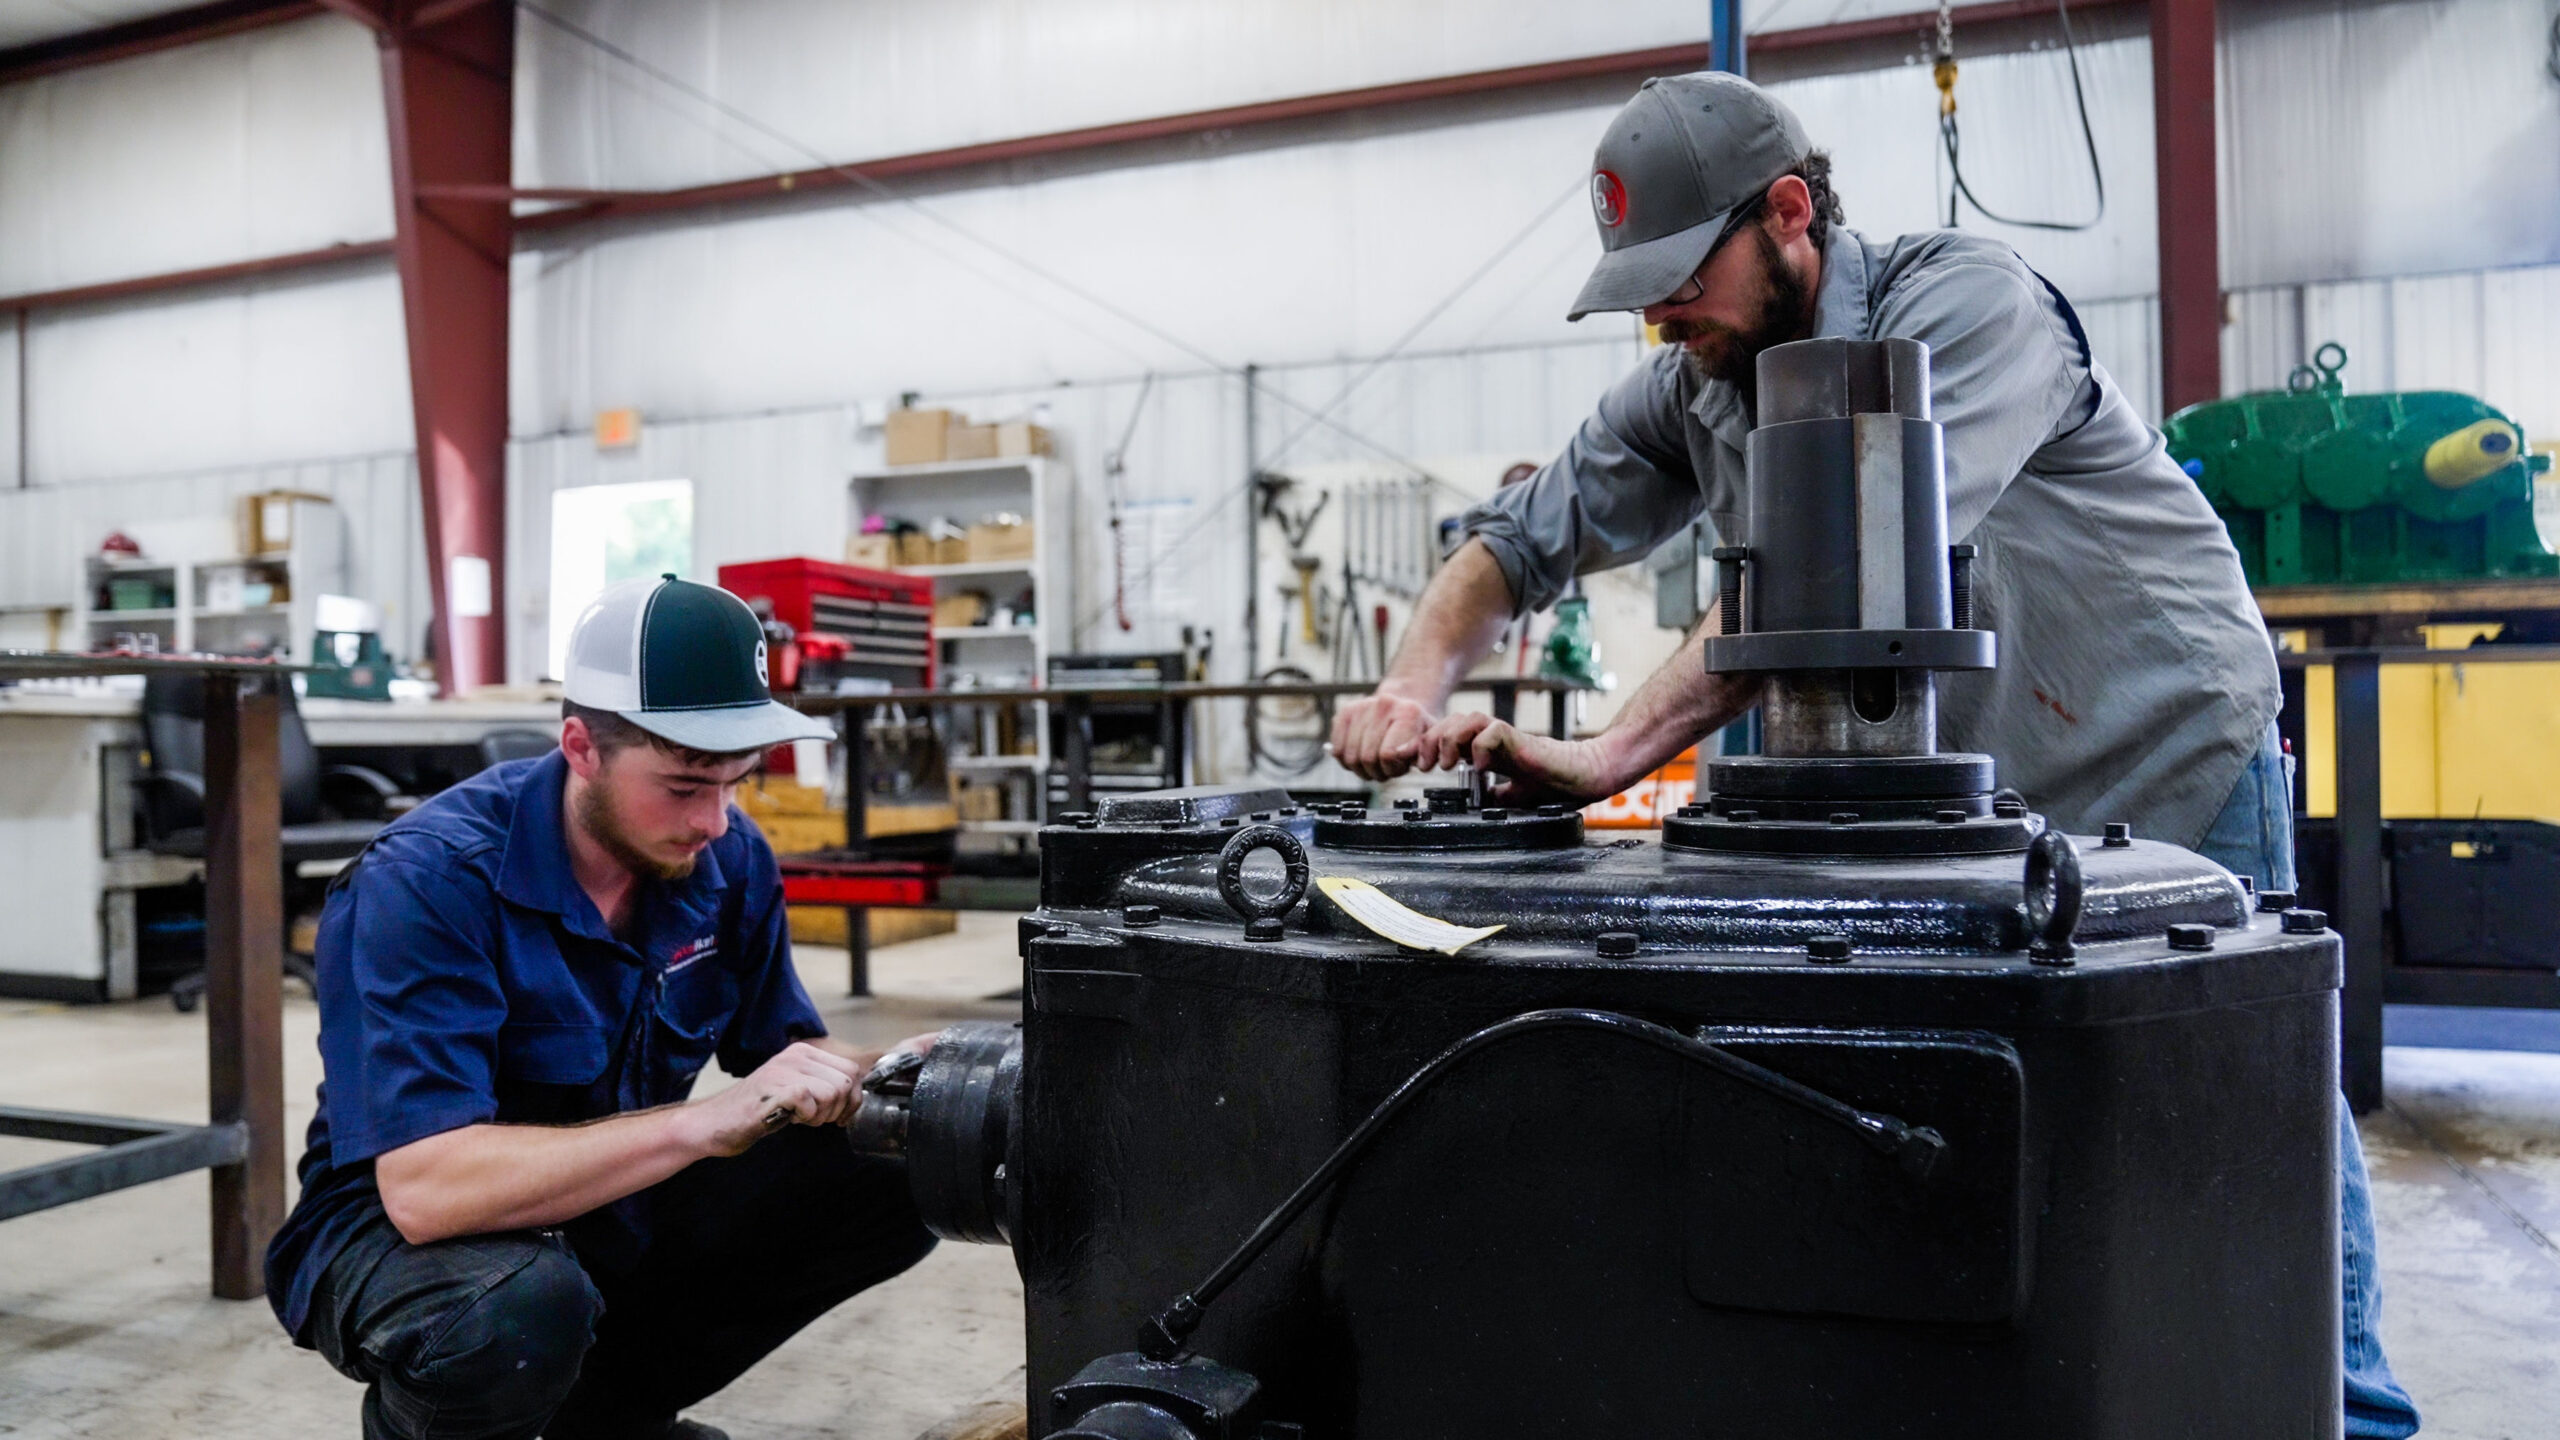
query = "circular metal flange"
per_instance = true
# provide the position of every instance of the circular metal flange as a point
(1231, 872)
(963, 1141)
(1854, 650)
(1884, 838)
(1859, 811)
(1493, 828)
(1853, 777)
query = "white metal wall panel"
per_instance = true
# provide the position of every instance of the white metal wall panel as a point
(2489, 333)
(266, 372)
(1286, 254)
(9, 391)
(2023, 155)
(882, 77)
(2124, 337)
(259, 144)
(2520, 346)
(44, 532)
(2404, 137)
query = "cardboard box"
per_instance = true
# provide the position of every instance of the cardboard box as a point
(981, 802)
(969, 442)
(966, 608)
(1000, 542)
(915, 437)
(1021, 437)
(875, 552)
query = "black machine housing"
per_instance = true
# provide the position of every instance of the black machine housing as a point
(1860, 1103)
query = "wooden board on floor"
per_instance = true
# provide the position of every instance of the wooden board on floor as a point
(824, 925)
(988, 1420)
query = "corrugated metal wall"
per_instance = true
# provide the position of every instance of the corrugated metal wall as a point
(46, 532)
(752, 341)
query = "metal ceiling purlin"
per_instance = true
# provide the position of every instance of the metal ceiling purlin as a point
(449, 87)
(165, 31)
(2182, 99)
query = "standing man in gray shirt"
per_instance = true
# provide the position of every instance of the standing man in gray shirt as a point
(2136, 682)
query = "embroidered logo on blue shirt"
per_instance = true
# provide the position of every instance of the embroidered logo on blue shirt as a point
(691, 951)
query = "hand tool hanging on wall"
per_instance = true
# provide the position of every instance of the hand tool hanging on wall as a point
(1387, 534)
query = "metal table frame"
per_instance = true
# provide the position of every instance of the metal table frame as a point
(1076, 755)
(242, 1142)
(2362, 892)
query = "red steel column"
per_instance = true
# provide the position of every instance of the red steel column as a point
(2182, 116)
(449, 85)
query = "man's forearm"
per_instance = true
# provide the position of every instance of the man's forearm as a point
(1675, 708)
(484, 1178)
(1455, 624)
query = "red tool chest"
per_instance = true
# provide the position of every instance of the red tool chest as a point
(883, 621)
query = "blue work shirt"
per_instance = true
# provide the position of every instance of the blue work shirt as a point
(466, 978)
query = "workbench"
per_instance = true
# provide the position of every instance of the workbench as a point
(242, 1142)
(2362, 892)
(70, 861)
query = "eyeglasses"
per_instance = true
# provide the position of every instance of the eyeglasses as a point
(1696, 285)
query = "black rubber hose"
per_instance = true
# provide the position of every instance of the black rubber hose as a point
(1917, 1148)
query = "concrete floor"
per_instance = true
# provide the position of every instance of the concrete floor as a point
(106, 1327)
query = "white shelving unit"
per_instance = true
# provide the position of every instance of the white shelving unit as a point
(227, 605)
(1041, 489)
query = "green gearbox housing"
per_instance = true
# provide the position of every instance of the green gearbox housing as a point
(2319, 487)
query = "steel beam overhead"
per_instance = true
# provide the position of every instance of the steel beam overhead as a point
(450, 87)
(147, 35)
(585, 206)
(2182, 101)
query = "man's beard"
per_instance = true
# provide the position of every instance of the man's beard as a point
(603, 824)
(1733, 355)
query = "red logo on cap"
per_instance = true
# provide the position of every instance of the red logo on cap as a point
(1608, 199)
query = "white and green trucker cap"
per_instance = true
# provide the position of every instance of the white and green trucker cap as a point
(684, 662)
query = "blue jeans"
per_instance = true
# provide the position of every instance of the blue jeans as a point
(2253, 836)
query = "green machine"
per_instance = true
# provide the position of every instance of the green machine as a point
(347, 659)
(2319, 487)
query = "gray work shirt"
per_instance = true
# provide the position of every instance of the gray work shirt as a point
(2135, 676)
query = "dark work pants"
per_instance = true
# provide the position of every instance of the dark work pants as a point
(523, 1333)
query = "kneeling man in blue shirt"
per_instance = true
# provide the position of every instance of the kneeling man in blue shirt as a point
(512, 1221)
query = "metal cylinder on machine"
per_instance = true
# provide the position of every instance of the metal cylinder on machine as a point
(1846, 590)
(953, 1114)
(1847, 596)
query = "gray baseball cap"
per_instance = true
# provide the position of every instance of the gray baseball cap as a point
(1673, 166)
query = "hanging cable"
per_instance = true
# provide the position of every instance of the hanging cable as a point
(1944, 71)
(1114, 465)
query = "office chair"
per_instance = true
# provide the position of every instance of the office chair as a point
(330, 812)
(500, 746)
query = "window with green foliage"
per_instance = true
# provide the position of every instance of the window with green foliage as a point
(603, 534)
